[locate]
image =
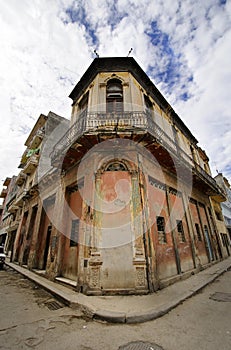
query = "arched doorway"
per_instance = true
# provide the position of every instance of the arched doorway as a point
(117, 243)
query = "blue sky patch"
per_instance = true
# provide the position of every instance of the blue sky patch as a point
(170, 73)
(78, 15)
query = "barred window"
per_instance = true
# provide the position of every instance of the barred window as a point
(114, 98)
(198, 232)
(74, 233)
(161, 229)
(180, 230)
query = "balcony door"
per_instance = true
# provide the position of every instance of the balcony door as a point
(114, 98)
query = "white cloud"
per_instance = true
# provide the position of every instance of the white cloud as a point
(43, 59)
(45, 54)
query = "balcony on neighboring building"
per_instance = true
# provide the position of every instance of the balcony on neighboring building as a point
(13, 225)
(12, 208)
(21, 178)
(21, 196)
(37, 138)
(1, 210)
(140, 127)
(11, 195)
(7, 181)
(31, 164)
(3, 193)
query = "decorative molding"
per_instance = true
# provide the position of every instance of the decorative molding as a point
(174, 192)
(201, 205)
(192, 200)
(155, 183)
(94, 277)
(140, 276)
(115, 76)
(76, 187)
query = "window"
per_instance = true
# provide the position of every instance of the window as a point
(148, 104)
(116, 166)
(193, 154)
(224, 241)
(161, 230)
(83, 103)
(114, 98)
(74, 233)
(198, 232)
(32, 222)
(180, 230)
(218, 215)
(175, 136)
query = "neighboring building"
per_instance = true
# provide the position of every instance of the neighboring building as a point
(224, 214)
(13, 217)
(123, 204)
(8, 185)
(25, 202)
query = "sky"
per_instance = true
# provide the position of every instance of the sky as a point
(183, 46)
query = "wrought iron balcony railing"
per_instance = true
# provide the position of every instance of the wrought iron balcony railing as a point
(142, 120)
(88, 121)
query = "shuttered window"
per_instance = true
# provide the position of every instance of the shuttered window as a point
(114, 98)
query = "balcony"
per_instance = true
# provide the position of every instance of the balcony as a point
(7, 181)
(101, 121)
(3, 193)
(13, 225)
(20, 179)
(31, 164)
(35, 142)
(11, 195)
(142, 129)
(21, 196)
(12, 208)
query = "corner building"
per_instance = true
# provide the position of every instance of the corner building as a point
(127, 194)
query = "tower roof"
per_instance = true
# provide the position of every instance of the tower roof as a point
(128, 64)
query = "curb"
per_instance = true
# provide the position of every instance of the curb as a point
(113, 316)
(110, 316)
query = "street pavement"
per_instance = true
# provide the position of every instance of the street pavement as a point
(131, 308)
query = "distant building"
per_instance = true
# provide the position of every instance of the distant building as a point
(118, 201)
(7, 194)
(23, 200)
(224, 215)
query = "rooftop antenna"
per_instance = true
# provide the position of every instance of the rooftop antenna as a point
(96, 53)
(130, 51)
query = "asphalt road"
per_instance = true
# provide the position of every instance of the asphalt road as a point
(32, 318)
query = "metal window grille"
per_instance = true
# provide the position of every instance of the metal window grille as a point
(74, 233)
(161, 229)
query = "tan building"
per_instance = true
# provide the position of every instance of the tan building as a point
(223, 215)
(122, 198)
(25, 204)
(5, 217)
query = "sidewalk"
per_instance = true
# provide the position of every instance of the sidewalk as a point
(131, 308)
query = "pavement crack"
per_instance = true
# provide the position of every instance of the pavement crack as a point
(8, 328)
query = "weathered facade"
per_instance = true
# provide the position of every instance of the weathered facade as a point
(223, 215)
(11, 218)
(23, 201)
(122, 203)
(5, 217)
